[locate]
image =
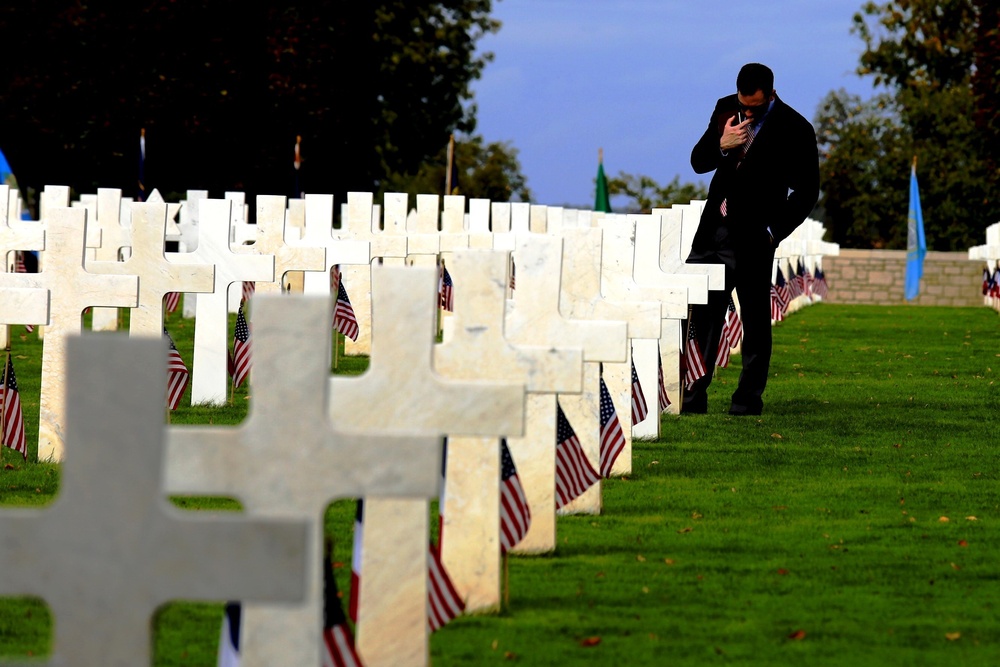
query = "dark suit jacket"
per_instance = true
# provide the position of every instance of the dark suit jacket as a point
(776, 185)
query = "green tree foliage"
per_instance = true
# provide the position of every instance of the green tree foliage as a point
(491, 171)
(924, 55)
(223, 88)
(646, 194)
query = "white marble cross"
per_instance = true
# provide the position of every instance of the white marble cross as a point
(301, 256)
(211, 333)
(23, 305)
(290, 459)
(454, 236)
(479, 234)
(581, 298)
(400, 393)
(114, 237)
(72, 289)
(536, 319)
(478, 350)
(110, 550)
(388, 246)
(159, 272)
(319, 232)
(423, 241)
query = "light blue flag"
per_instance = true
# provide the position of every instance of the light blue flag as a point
(916, 244)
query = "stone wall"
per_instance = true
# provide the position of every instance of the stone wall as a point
(878, 277)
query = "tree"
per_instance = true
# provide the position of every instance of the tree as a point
(483, 172)
(372, 88)
(924, 54)
(647, 194)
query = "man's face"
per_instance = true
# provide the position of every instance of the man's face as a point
(754, 106)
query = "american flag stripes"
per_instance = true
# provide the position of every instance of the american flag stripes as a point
(784, 292)
(694, 362)
(171, 301)
(443, 601)
(612, 436)
(662, 400)
(639, 407)
(446, 290)
(515, 515)
(987, 276)
(513, 281)
(794, 289)
(574, 474)
(239, 366)
(338, 640)
(732, 332)
(13, 419)
(177, 374)
(249, 287)
(820, 288)
(995, 287)
(344, 319)
(777, 305)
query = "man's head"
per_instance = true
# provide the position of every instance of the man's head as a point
(755, 89)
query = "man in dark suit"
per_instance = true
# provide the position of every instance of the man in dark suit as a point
(765, 184)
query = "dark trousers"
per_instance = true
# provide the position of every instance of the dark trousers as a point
(748, 271)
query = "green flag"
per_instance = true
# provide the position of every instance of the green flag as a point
(602, 202)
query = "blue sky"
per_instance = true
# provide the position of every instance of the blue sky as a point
(639, 78)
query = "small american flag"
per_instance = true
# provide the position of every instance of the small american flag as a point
(777, 313)
(662, 400)
(995, 289)
(784, 292)
(694, 362)
(513, 281)
(177, 374)
(344, 319)
(249, 287)
(574, 474)
(612, 436)
(732, 333)
(986, 280)
(338, 640)
(820, 288)
(639, 407)
(443, 601)
(13, 420)
(515, 515)
(172, 300)
(446, 290)
(794, 289)
(239, 366)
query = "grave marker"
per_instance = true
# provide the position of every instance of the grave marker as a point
(290, 458)
(105, 555)
(71, 289)
(209, 383)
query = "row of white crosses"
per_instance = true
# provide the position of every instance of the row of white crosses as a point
(989, 253)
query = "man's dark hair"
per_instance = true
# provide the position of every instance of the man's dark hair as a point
(754, 77)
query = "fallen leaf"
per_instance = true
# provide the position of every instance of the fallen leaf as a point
(963, 543)
(955, 567)
(669, 561)
(509, 655)
(599, 575)
(952, 636)
(8, 467)
(782, 570)
(591, 641)
(495, 644)
(640, 558)
(776, 435)
(798, 634)
(944, 519)
(971, 518)
(695, 515)
(779, 507)
(337, 564)
(688, 529)
(645, 589)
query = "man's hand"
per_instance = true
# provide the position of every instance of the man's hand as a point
(733, 134)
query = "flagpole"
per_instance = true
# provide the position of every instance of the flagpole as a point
(448, 185)
(506, 580)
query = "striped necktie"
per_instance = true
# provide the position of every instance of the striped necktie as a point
(751, 133)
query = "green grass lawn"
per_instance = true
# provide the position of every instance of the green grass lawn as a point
(854, 523)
